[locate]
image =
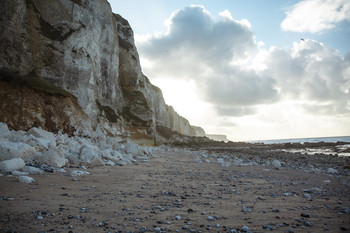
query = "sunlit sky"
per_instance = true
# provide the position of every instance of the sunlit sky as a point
(249, 69)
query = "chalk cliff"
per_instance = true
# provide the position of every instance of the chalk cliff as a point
(217, 137)
(72, 66)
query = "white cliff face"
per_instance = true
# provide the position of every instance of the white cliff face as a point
(85, 49)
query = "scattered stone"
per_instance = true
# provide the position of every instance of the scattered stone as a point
(123, 162)
(276, 163)
(79, 173)
(313, 190)
(25, 179)
(33, 170)
(307, 196)
(332, 171)
(210, 218)
(7, 198)
(246, 209)
(305, 215)
(268, 227)
(19, 173)
(245, 229)
(308, 224)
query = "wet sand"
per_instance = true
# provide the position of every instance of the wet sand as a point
(174, 193)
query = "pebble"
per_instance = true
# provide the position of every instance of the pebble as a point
(246, 209)
(332, 171)
(7, 198)
(307, 196)
(245, 229)
(79, 173)
(178, 217)
(210, 218)
(268, 227)
(308, 224)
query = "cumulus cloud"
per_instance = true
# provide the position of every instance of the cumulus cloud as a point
(235, 111)
(312, 72)
(211, 53)
(316, 15)
(236, 76)
(240, 88)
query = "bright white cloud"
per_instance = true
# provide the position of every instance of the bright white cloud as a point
(313, 72)
(211, 53)
(316, 15)
(238, 85)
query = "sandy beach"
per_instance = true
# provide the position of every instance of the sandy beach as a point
(174, 192)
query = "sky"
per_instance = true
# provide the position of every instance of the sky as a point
(248, 69)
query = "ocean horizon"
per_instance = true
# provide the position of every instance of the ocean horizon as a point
(303, 140)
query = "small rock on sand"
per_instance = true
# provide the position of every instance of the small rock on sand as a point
(26, 179)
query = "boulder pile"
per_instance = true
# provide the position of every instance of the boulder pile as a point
(37, 151)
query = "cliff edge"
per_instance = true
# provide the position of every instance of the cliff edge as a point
(72, 66)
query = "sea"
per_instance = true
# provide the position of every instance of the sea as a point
(340, 150)
(303, 140)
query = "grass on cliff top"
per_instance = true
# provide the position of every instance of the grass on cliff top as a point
(33, 81)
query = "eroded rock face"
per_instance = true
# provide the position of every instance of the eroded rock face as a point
(23, 108)
(86, 50)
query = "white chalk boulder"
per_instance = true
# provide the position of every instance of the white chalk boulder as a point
(40, 133)
(114, 156)
(132, 149)
(4, 130)
(19, 173)
(88, 154)
(12, 165)
(26, 179)
(123, 162)
(78, 173)
(33, 170)
(53, 158)
(10, 150)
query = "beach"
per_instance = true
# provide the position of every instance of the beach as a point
(179, 190)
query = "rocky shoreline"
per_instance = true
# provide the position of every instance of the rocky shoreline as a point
(57, 183)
